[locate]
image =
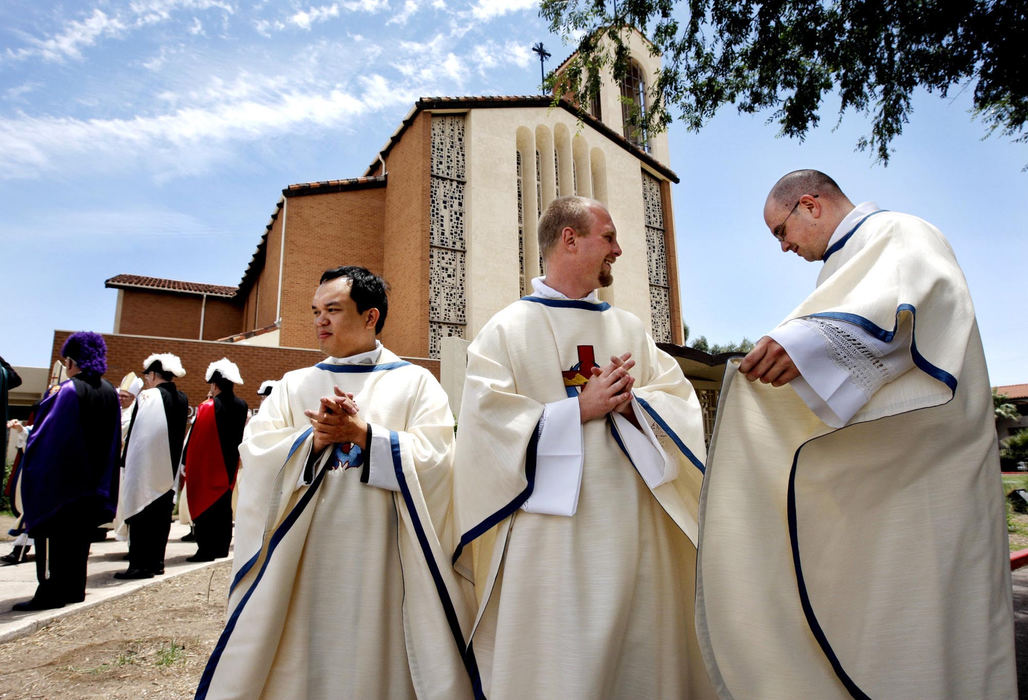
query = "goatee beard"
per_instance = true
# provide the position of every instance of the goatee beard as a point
(606, 278)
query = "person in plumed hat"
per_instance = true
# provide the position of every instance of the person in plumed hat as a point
(69, 481)
(153, 448)
(211, 459)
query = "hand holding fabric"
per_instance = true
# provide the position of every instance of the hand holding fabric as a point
(770, 363)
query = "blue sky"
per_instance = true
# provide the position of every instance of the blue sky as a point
(154, 137)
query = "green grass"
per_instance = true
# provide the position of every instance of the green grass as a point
(1014, 482)
(170, 654)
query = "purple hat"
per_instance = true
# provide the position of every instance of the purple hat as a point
(88, 350)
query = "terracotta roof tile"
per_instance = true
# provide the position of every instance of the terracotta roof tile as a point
(325, 186)
(156, 283)
(1013, 391)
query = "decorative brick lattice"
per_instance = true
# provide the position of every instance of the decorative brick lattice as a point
(656, 257)
(447, 212)
(448, 146)
(437, 331)
(708, 403)
(446, 232)
(660, 313)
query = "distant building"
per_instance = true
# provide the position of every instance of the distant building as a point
(1017, 394)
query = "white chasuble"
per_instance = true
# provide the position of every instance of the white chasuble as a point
(596, 602)
(148, 473)
(342, 589)
(869, 560)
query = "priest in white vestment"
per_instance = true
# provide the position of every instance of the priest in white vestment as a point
(341, 587)
(579, 462)
(852, 532)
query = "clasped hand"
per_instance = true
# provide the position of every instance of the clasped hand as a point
(336, 421)
(609, 389)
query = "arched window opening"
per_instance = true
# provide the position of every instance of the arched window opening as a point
(633, 105)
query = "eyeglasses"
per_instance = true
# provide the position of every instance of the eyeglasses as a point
(779, 231)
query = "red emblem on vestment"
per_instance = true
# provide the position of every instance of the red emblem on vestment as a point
(580, 373)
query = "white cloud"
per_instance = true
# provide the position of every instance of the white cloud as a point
(117, 226)
(304, 19)
(80, 34)
(197, 27)
(264, 27)
(488, 9)
(489, 56)
(18, 92)
(147, 12)
(188, 139)
(76, 35)
(405, 13)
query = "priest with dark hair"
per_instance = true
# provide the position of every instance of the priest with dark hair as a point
(211, 459)
(153, 449)
(69, 480)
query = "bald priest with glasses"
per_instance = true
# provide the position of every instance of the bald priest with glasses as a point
(853, 479)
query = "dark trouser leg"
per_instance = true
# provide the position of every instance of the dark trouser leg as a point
(47, 591)
(214, 528)
(148, 534)
(166, 504)
(224, 525)
(68, 554)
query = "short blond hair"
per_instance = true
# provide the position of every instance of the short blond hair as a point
(573, 211)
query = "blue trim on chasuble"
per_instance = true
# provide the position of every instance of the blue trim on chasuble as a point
(280, 533)
(842, 241)
(519, 500)
(245, 568)
(886, 337)
(925, 366)
(808, 609)
(470, 663)
(672, 434)
(351, 369)
(568, 303)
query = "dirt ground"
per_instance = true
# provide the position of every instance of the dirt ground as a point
(153, 643)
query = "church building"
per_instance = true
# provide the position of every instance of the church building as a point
(447, 213)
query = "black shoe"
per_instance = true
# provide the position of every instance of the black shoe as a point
(188, 537)
(134, 574)
(36, 604)
(19, 554)
(200, 557)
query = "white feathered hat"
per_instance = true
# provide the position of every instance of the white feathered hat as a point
(266, 386)
(227, 368)
(169, 363)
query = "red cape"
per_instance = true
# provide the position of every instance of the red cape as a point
(205, 475)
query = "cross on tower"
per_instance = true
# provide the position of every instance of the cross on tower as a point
(543, 55)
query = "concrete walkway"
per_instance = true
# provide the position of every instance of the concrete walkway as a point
(18, 582)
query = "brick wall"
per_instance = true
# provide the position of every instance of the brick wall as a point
(125, 353)
(406, 239)
(323, 231)
(266, 296)
(222, 318)
(160, 313)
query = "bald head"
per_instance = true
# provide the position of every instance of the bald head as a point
(802, 211)
(800, 182)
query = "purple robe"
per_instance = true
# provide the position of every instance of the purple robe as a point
(71, 457)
